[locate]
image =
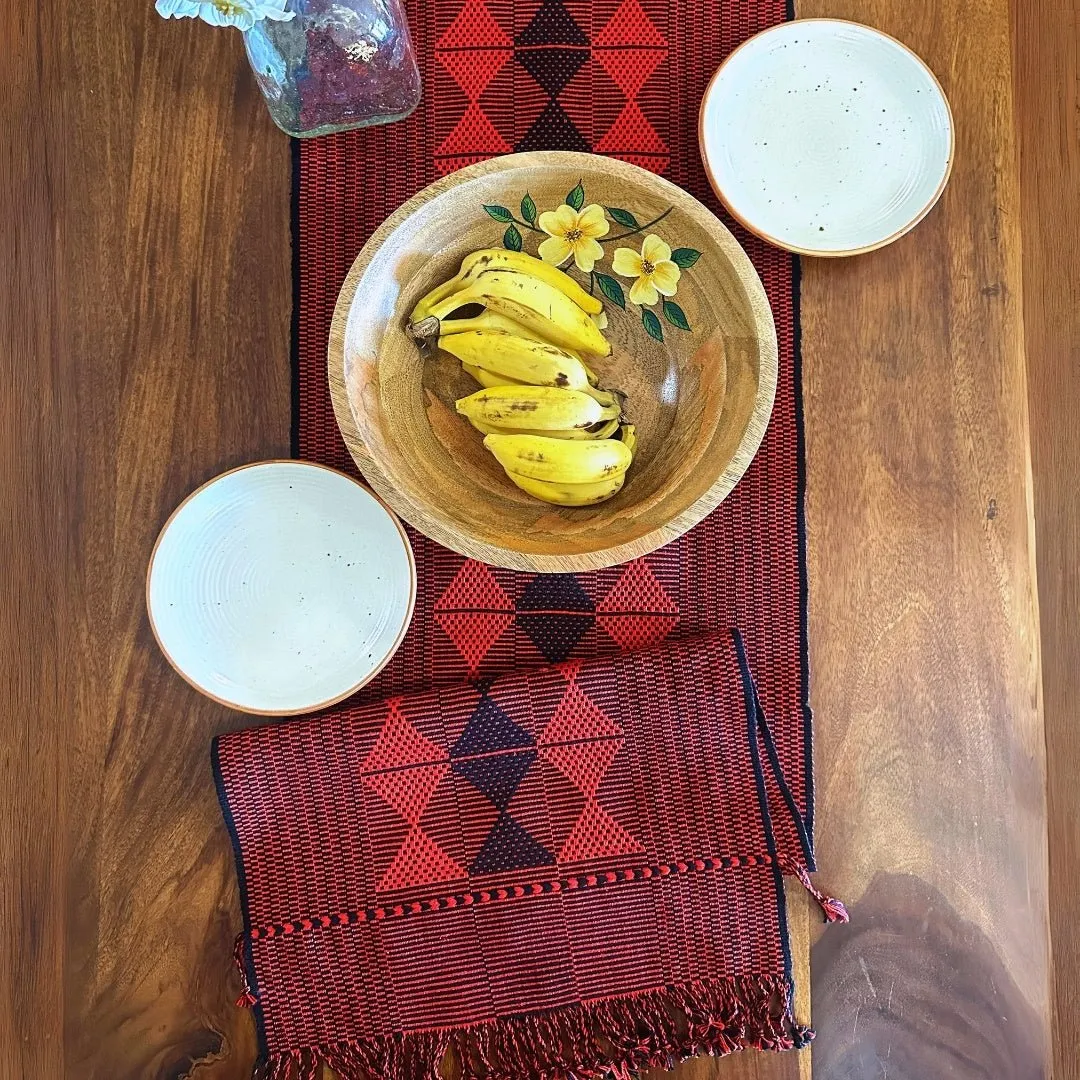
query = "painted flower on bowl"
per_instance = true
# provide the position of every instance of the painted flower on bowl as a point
(653, 267)
(573, 233)
(243, 14)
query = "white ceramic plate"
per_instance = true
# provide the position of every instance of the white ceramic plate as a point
(826, 137)
(280, 587)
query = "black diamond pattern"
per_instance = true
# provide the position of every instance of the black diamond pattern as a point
(552, 25)
(509, 847)
(496, 777)
(556, 628)
(553, 130)
(552, 68)
(488, 729)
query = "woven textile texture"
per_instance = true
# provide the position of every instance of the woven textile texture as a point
(561, 872)
(463, 793)
(625, 78)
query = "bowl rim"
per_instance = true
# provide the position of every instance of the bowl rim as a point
(819, 253)
(304, 709)
(764, 332)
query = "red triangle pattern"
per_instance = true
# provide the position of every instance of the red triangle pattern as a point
(474, 27)
(408, 791)
(638, 590)
(474, 69)
(399, 743)
(474, 587)
(630, 26)
(578, 717)
(584, 764)
(630, 69)
(631, 133)
(419, 861)
(473, 633)
(474, 133)
(637, 612)
(474, 611)
(595, 835)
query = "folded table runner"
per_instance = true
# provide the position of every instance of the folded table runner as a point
(565, 872)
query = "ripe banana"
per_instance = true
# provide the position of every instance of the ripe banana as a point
(570, 494)
(537, 305)
(543, 408)
(560, 461)
(628, 434)
(519, 359)
(488, 320)
(605, 430)
(487, 379)
(479, 262)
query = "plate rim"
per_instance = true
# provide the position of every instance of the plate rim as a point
(304, 709)
(832, 253)
(531, 562)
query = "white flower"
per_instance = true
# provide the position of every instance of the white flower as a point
(241, 13)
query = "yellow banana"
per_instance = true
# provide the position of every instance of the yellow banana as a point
(518, 262)
(628, 434)
(487, 379)
(560, 461)
(537, 305)
(488, 320)
(606, 430)
(480, 262)
(543, 408)
(519, 359)
(570, 494)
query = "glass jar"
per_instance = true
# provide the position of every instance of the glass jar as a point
(338, 64)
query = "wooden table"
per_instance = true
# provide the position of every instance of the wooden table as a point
(145, 319)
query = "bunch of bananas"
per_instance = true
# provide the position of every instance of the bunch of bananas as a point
(559, 436)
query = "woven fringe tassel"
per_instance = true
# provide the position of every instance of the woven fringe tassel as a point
(247, 998)
(834, 909)
(617, 1037)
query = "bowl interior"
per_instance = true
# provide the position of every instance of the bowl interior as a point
(700, 398)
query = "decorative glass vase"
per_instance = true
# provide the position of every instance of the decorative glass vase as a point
(338, 64)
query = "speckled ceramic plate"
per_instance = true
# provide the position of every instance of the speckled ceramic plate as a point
(826, 137)
(280, 587)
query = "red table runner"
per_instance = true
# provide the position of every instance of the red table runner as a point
(624, 78)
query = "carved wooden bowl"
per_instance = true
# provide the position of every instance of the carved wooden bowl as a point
(700, 397)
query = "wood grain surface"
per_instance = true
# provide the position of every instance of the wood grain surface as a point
(144, 326)
(398, 417)
(1047, 58)
(923, 628)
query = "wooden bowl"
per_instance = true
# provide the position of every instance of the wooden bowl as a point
(701, 397)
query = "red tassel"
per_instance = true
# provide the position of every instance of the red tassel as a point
(834, 909)
(247, 998)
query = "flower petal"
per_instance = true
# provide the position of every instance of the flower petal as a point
(592, 222)
(242, 17)
(558, 222)
(626, 262)
(654, 249)
(643, 293)
(554, 250)
(587, 253)
(666, 277)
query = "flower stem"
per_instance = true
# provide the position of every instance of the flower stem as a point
(525, 224)
(640, 228)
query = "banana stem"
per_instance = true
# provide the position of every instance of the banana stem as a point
(425, 330)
